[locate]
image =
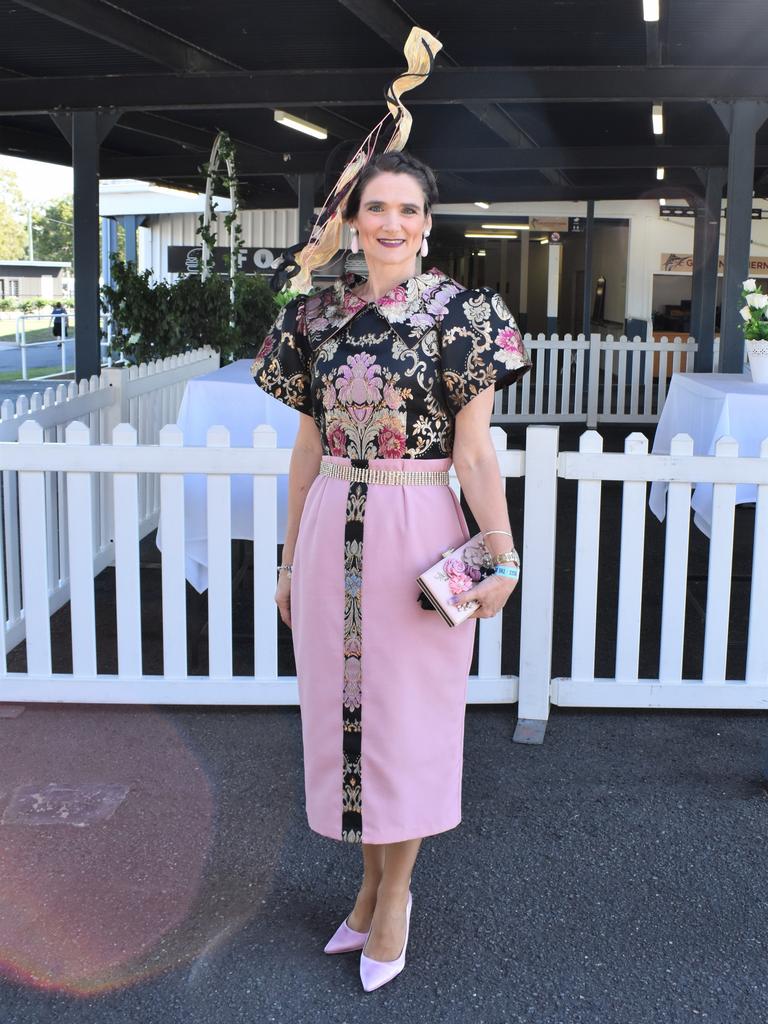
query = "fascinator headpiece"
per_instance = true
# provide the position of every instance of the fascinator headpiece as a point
(300, 260)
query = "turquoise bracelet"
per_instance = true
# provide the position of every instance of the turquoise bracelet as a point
(512, 572)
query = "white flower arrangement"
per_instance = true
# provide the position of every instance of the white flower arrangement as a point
(755, 312)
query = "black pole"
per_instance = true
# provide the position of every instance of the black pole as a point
(705, 260)
(586, 324)
(85, 165)
(742, 119)
(306, 192)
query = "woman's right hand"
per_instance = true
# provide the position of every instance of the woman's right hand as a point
(283, 597)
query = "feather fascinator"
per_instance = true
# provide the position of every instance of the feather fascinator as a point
(300, 260)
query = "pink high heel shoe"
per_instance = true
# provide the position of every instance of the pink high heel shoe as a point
(375, 973)
(345, 939)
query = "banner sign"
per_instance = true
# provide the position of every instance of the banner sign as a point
(682, 263)
(185, 259)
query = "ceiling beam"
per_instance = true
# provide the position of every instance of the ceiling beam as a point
(454, 160)
(389, 24)
(115, 26)
(362, 87)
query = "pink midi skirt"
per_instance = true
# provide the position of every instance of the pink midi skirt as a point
(382, 681)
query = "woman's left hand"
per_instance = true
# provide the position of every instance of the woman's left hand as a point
(492, 593)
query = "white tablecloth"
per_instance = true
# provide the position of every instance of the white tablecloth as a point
(230, 397)
(707, 406)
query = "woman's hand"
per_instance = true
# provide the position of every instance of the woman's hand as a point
(283, 597)
(492, 593)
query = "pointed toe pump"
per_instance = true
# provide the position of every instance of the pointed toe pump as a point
(345, 939)
(375, 973)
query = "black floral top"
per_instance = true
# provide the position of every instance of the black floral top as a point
(385, 379)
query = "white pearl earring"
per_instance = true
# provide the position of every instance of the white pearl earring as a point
(354, 245)
(424, 247)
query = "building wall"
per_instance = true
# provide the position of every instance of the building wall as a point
(31, 282)
(629, 256)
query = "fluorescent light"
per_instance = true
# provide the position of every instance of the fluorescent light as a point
(650, 10)
(481, 252)
(657, 119)
(291, 121)
(482, 205)
(660, 174)
(485, 234)
(543, 241)
(502, 227)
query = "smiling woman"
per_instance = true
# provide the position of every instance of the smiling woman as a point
(389, 212)
(382, 369)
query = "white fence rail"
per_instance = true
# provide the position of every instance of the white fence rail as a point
(146, 396)
(631, 375)
(83, 466)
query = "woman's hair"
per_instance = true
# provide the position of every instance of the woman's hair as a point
(396, 161)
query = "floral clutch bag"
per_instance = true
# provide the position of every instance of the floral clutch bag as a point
(459, 569)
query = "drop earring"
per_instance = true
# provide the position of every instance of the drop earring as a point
(354, 245)
(424, 247)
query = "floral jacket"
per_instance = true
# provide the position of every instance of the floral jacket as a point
(386, 379)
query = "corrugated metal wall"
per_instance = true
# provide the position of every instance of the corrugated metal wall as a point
(272, 229)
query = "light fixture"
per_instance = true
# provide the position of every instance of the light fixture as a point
(543, 241)
(657, 119)
(501, 227)
(485, 234)
(660, 174)
(481, 252)
(650, 10)
(291, 121)
(662, 202)
(482, 205)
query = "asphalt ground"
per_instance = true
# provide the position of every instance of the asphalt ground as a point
(614, 874)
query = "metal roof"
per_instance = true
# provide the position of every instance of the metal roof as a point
(545, 100)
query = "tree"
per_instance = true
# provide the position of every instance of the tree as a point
(52, 228)
(13, 234)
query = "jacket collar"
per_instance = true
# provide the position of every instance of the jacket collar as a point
(411, 307)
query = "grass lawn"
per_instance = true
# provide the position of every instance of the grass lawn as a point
(41, 333)
(37, 371)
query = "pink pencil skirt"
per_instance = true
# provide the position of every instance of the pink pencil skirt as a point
(382, 681)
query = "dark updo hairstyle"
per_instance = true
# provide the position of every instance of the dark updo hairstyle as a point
(396, 161)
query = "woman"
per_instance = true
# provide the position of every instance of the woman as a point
(394, 372)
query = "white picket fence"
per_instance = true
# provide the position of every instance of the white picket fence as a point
(83, 466)
(147, 396)
(577, 371)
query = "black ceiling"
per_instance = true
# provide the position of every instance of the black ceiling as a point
(536, 101)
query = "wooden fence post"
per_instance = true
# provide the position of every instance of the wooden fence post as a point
(538, 583)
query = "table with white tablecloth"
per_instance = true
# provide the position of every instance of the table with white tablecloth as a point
(229, 397)
(708, 406)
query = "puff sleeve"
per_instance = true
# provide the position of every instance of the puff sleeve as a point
(281, 366)
(481, 345)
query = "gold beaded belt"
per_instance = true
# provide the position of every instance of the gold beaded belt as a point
(346, 471)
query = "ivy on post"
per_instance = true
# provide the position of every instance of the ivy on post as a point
(220, 173)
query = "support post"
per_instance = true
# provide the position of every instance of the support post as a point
(85, 129)
(306, 197)
(586, 320)
(741, 118)
(706, 245)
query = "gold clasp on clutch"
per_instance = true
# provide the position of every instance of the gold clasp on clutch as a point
(444, 554)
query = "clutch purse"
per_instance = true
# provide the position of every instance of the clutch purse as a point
(458, 569)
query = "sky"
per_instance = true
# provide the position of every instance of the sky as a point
(39, 182)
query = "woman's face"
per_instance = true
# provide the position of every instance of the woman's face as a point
(391, 221)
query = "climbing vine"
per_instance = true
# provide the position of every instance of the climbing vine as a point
(221, 174)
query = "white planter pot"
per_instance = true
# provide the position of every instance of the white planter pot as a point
(758, 360)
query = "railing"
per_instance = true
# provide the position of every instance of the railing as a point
(147, 397)
(570, 374)
(64, 560)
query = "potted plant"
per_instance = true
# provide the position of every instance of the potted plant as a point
(755, 317)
